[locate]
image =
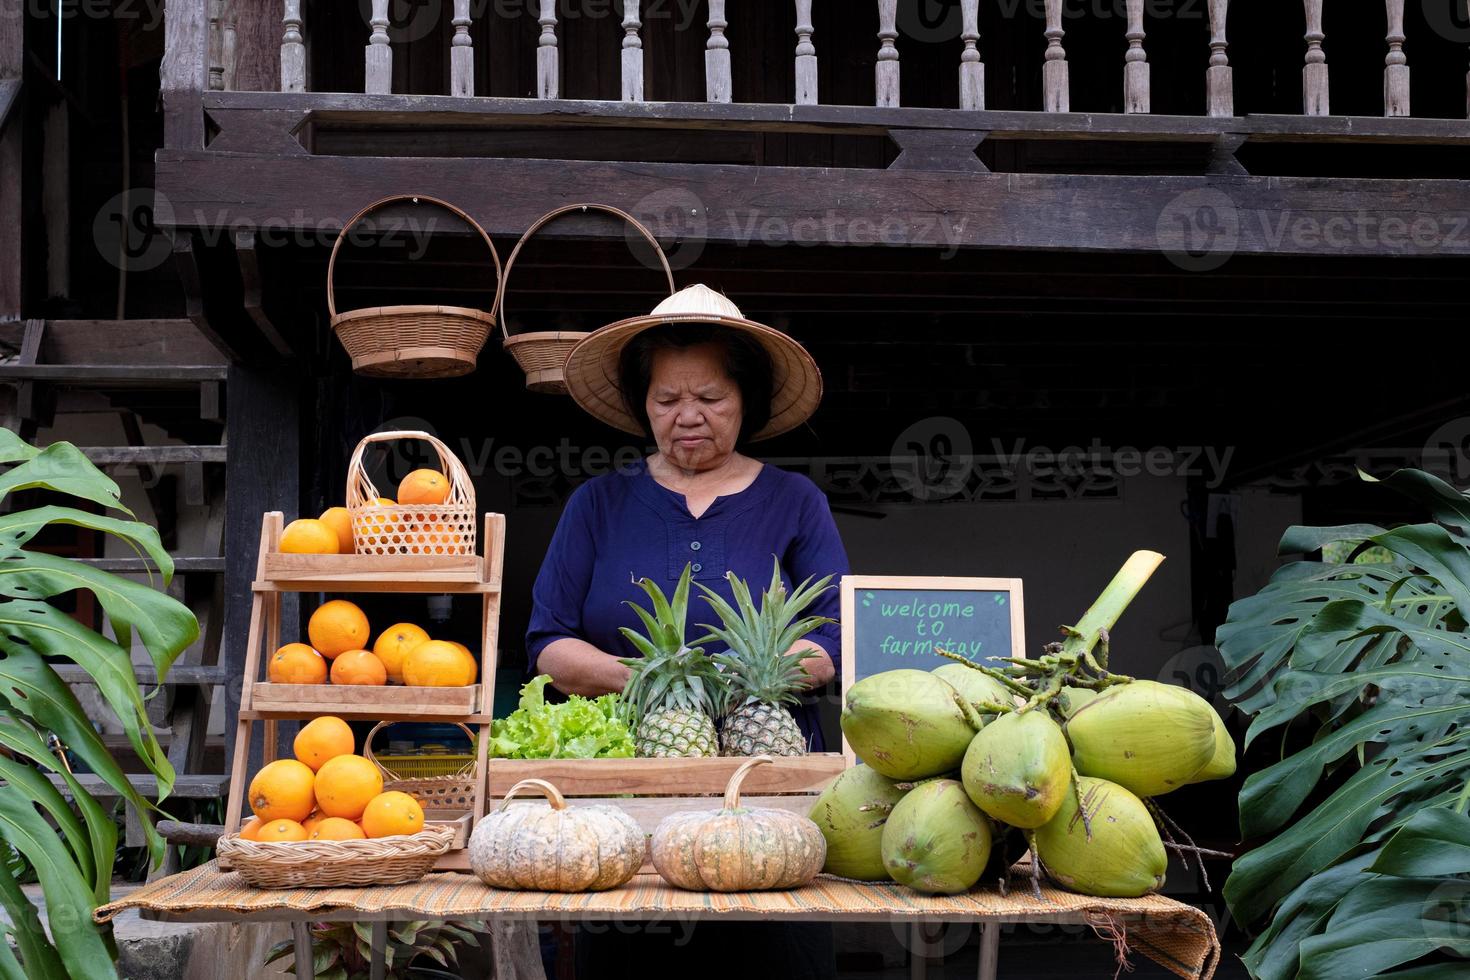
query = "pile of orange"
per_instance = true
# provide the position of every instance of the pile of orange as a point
(338, 652)
(327, 793)
(331, 533)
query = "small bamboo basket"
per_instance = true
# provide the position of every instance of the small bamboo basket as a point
(411, 529)
(412, 341)
(336, 863)
(543, 354)
(451, 791)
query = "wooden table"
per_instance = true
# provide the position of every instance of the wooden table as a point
(1179, 937)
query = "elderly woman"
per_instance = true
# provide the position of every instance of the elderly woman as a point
(703, 382)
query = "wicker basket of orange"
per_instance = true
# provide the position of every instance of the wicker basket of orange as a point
(434, 513)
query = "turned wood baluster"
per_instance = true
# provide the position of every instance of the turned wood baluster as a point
(806, 55)
(886, 74)
(461, 52)
(379, 77)
(1055, 86)
(632, 51)
(293, 50)
(972, 68)
(717, 82)
(548, 59)
(1135, 63)
(1220, 79)
(1315, 100)
(216, 46)
(1396, 70)
(228, 41)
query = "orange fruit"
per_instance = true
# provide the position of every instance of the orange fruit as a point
(423, 487)
(340, 521)
(338, 626)
(281, 830)
(310, 823)
(322, 739)
(282, 790)
(296, 663)
(436, 663)
(309, 536)
(393, 813)
(359, 667)
(335, 828)
(249, 831)
(393, 645)
(344, 786)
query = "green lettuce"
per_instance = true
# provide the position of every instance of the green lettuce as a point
(579, 728)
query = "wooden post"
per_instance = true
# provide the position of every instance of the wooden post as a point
(1220, 78)
(461, 52)
(216, 46)
(182, 76)
(718, 84)
(972, 68)
(379, 77)
(1396, 70)
(806, 55)
(1315, 100)
(12, 66)
(548, 59)
(632, 52)
(886, 72)
(293, 50)
(1135, 63)
(1055, 86)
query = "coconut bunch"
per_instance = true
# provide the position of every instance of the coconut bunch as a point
(1057, 749)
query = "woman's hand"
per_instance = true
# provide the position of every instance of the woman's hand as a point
(819, 666)
(578, 667)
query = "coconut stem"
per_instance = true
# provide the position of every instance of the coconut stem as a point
(1110, 604)
(1081, 806)
(1010, 682)
(1035, 866)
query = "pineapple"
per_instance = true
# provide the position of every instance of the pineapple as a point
(676, 690)
(762, 676)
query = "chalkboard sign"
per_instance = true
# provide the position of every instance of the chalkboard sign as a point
(892, 622)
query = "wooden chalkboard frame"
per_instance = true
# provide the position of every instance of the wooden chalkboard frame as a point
(852, 583)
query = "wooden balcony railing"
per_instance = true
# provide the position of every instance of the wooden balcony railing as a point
(887, 62)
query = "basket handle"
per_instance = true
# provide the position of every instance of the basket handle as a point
(367, 749)
(550, 216)
(360, 488)
(415, 198)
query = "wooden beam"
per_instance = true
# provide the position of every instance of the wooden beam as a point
(186, 263)
(257, 46)
(12, 64)
(1275, 216)
(253, 289)
(183, 74)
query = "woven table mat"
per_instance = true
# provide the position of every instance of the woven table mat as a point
(1179, 937)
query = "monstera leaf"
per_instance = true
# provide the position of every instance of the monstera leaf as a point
(1372, 661)
(72, 843)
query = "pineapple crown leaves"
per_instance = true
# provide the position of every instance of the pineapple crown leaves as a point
(670, 674)
(757, 661)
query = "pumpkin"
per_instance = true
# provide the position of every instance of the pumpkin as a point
(556, 848)
(738, 848)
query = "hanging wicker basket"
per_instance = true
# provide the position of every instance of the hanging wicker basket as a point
(411, 529)
(543, 354)
(412, 341)
(449, 791)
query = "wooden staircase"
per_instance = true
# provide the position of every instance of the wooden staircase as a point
(165, 374)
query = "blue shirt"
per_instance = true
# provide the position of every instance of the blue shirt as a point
(625, 525)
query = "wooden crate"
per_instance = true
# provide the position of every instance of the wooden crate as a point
(266, 704)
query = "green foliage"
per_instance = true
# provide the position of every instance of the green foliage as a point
(1363, 660)
(71, 846)
(579, 728)
(343, 951)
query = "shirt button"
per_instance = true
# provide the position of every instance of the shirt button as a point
(694, 546)
(697, 567)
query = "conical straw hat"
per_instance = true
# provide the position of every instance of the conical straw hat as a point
(592, 366)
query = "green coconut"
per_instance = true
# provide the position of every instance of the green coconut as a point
(936, 841)
(976, 688)
(1222, 762)
(906, 724)
(851, 813)
(1122, 858)
(1070, 699)
(1017, 769)
(1148, 737)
